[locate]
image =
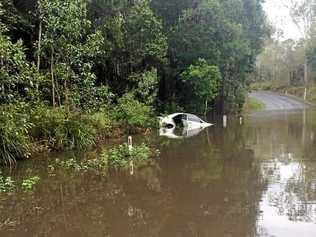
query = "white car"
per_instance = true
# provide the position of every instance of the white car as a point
(189, 121)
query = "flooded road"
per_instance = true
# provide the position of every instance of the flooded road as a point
(254, 179)
(274, 101)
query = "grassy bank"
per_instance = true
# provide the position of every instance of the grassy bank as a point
(252, 105)
(26, 129)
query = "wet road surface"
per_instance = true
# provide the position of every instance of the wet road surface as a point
(274, 102)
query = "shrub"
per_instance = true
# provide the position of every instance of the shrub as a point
(145, 86)
(14, 139)
(134, 114)
(120, 156)
(102, 122)
(63, 130)
(253, 105)
(202, 81)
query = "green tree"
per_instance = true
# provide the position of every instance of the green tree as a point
(69, 48)
(204, 80)
(17, 76)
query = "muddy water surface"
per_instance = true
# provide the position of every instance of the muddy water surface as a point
(255, 179)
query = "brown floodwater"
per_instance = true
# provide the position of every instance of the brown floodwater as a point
(254, 179)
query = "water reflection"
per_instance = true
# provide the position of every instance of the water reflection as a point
(255, 179)
(179, 133)
(288, 209)
(286, 151)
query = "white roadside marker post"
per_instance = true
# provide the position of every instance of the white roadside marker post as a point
(225, 121)
(240, 120)
(130, 148)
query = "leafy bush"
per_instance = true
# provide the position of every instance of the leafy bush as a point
(133, 114)
(102, 122)
(235, 97)
(62, 129)
(202, 81)
(253, 105)
(14, 139)
(145, 86)
(121, 155)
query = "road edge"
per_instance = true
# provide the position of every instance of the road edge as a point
(289, 96)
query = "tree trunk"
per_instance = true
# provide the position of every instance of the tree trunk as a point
(305, 72)
(66, 95)
(206, 105)
(39, 36)
(2, 86)
(52, 76)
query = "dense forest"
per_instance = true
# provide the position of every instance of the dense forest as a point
(291, 62)
(73, 71)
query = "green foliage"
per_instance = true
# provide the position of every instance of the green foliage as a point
(121, 155)
(92, 98)
(69, 47)
(17, 76)
(88, 53)
(14, 139)
(102, 122)
(99, 165)
(28, 184)
(116, 157)
(203, 80)
(145, 88)
(253, 105)
(235, 97)
(8, 185)
(144, 36)
(63, 130)
(133, 114)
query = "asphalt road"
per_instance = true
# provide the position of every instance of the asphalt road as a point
(274, 102)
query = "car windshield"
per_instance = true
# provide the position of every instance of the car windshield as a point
(194, 118)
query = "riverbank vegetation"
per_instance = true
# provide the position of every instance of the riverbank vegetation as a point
(73, 72)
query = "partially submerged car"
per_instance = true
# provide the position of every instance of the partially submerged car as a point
(173, 133)
(189, 121)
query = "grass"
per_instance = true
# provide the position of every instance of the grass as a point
(298, 91)
(14, 140)
(253, 105)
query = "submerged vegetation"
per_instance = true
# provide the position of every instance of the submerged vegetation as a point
(8, 185)
(122, 155)
(119, 156)
(85, 69)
